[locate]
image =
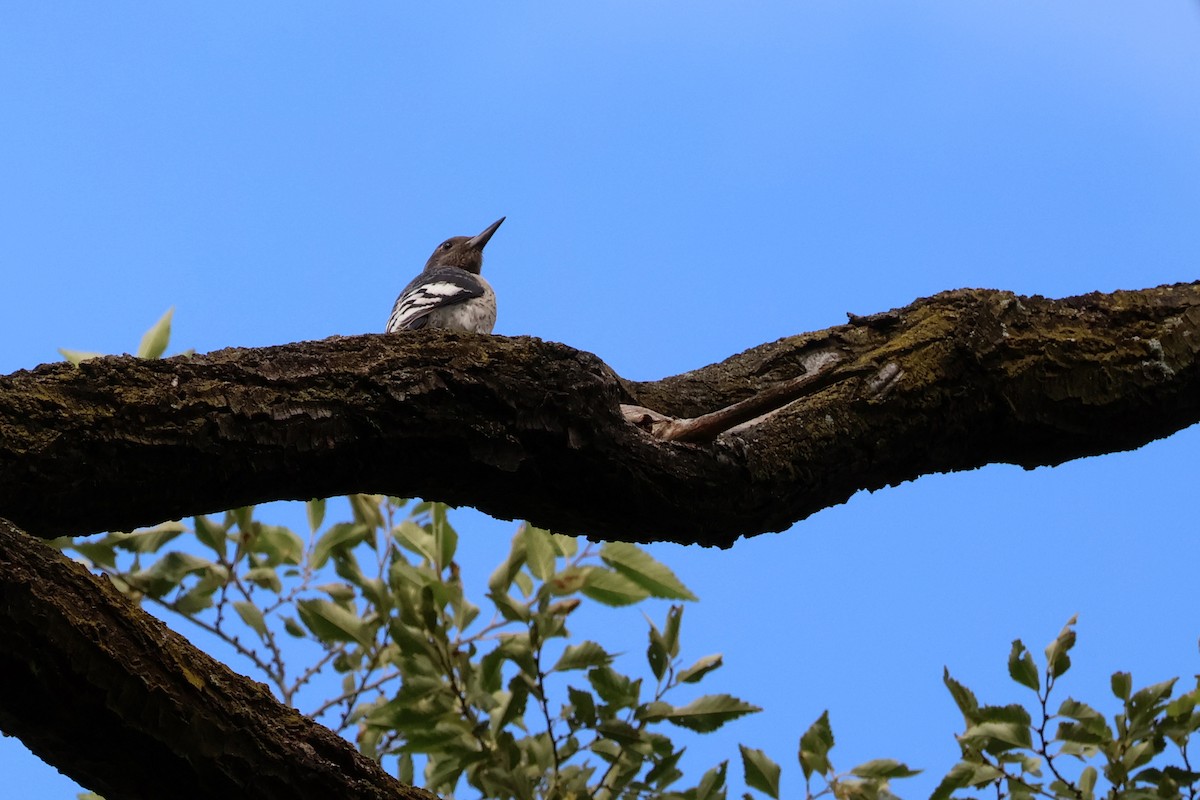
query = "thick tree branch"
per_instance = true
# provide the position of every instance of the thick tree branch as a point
(125, 706)
(524, 428)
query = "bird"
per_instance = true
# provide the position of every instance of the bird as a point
(449, 292)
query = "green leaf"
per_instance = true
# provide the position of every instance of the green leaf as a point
(584, 705)
(612, 588)
(702, 667)
(445, 540)
(366, 509)
(340, 536)
(884, 769)
(761, 772)
(1122, 684)
(960, 776)
(671, 630)
(656, 653)
(414, 538)
(638, 565)
(210, 534)
(582, 656)
(148, 540)
(964, 698)
(78, 356)
(279, 544)
(1057, 660)
(539, 552)
(1087, 783)
(502, 577)
(712, 783)
(1021, 666)
(315, 509)
(510, 609)
(998, 736)
(252, 616)
(166, 573)
(706, 714)
(614, 688)
(330, 622)
(815, 745)
(292, 627)
(619, 731)
(154, 341)
(264, 578)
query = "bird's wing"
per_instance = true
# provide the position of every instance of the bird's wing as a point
(433, 288)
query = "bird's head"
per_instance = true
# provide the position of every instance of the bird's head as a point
(464, 252)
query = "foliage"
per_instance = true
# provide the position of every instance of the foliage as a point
(1013, 752)
(503, 703)
(510, 706)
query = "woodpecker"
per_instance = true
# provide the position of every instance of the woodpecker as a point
(449, 293)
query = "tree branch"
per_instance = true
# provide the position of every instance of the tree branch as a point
(125, 706)
(523, 428)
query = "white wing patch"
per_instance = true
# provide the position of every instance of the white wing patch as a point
(430, 291)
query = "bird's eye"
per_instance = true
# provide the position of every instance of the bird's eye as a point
(446, 245)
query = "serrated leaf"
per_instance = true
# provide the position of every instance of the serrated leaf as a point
(614, 689)
(619, 731)
(154, 341)
(761, 772)
(641, 568)
(315, 509)
(1057, 660)
(964, 698)
(78, 356)
(884, 769)
(612, 588)
(582, 656)
(584, 705)
(702, 667)
(706, 714)
(815, 744)
(988, 734)
(712, 783)
(251, 615)
(959, 777)
(330, 622)
(1021, 667)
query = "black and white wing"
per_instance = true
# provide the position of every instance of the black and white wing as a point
(433, 289)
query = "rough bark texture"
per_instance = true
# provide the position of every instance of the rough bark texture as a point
(522, 428)
(519, 428)
(126, 707)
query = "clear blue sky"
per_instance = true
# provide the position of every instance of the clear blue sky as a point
(682, 180)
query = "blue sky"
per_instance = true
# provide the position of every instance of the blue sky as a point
(682, 181)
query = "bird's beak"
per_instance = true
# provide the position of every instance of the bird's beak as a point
(477, 242)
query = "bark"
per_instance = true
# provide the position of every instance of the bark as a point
(519, 428)
(125, 706)
(523, 428)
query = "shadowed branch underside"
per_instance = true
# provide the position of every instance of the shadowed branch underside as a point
(523, 428)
